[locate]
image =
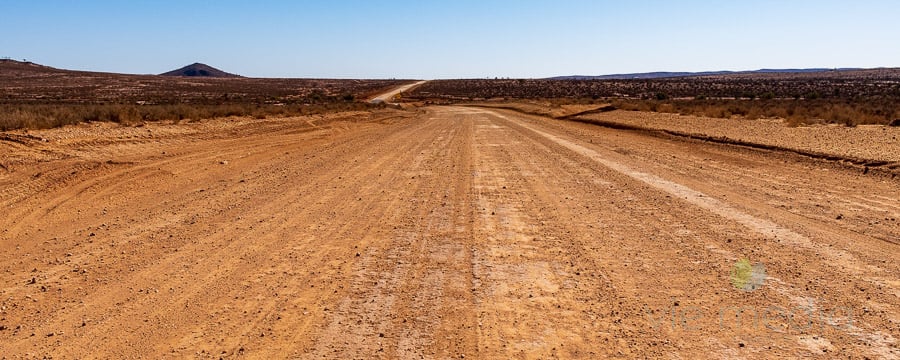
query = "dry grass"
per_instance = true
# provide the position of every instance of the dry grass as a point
(42, 116)
(848, 112)
(830, 85)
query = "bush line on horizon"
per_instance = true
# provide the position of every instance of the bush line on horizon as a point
(795, 112)
(850, 100)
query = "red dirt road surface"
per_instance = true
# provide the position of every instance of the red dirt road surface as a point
(445, 232)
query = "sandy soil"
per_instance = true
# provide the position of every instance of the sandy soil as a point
(547, 109)
(445, 232)
(870, 142)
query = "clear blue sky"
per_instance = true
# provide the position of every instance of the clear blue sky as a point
(450, 39)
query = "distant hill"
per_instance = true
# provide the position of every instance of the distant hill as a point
(664, 75)
(9, 67)
(200, 70)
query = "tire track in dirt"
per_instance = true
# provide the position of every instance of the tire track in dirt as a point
(402, 293)
(527, 270)
(191, 250)
(443, 233)
(868, 274)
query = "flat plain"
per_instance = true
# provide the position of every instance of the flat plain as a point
(449, 231)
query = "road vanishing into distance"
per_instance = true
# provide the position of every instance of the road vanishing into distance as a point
(440, 232)
(389, 96)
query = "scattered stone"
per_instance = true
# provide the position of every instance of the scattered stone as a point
(839, 217)
(223, 162)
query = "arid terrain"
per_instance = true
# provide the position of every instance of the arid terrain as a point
(831, 84)
(846, 97)
(26, 82)
(444, 232)
(33, 96)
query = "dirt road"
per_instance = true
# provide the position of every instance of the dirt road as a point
(447, 232)
(389, 96)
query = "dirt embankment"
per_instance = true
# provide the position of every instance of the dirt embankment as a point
(874, 146)
(867, 147)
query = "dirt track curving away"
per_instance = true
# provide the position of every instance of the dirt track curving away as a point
(441, 233)
(389, 96)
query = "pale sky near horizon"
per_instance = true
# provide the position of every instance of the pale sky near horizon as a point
(450, 39)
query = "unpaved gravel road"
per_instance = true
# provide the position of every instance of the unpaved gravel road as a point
(388, 96)
(444, 232)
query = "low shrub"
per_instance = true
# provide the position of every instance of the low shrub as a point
(42, 116)
(796, 112)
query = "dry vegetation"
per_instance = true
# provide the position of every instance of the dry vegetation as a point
(848, 112)
(35, 96)
(844, 97)
(42, 116)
